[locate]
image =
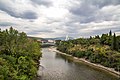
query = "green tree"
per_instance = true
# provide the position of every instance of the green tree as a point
(110, 33)
(114, 44)
(19, 56)
(110, 38)
(118, 43)
(104, 39)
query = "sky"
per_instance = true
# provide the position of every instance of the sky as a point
(58, 18)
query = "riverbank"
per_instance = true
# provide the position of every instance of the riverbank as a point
(97, 66)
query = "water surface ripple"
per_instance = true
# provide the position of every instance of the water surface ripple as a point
(60, 67)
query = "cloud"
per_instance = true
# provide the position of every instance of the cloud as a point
(90, 10)
(84, 10)
(6, 24)
(56, 18)
(102, 3)
(8, 7)
(28, 15)
(42, 2)
(34, 32)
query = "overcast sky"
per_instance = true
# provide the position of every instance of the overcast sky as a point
(56, 18)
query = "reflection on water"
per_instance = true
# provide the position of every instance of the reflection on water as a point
(61, 67)
(64, 57)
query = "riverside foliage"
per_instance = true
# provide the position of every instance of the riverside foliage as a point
(19, 56)
(104, 50)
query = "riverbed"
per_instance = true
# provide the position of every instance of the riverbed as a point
(56, 66)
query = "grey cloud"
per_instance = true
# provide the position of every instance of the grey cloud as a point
(117, 30)
(28, 15)
(95, 32)
(88, 19)
(11, 11)
(33, 32)
(113, 28)
(84, 9)
(42, 2)
(87, 11)
(102, 3)
(6, 24)
(48, 31)
(72, 30)
(101, 31)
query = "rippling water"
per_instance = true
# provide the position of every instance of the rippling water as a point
(60, 67)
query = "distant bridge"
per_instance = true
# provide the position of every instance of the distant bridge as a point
(47, 44)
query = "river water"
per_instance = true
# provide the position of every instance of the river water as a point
(56, 66)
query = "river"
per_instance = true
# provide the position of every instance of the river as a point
(60, 67)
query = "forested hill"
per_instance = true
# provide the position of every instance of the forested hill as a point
(104, 50)
(19, 55)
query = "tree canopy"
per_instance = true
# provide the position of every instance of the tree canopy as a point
(19, 55)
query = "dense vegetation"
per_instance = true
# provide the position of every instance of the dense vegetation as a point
(19, 56)
(104, 50)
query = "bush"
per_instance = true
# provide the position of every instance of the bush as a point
(80, 54)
